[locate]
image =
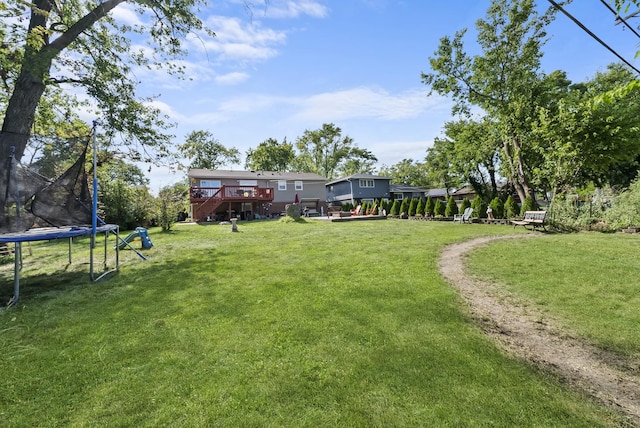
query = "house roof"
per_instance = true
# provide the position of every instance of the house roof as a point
(254, 175)
(437, 193)
(358, 177)
(403, 188)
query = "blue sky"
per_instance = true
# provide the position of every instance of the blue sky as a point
(275, 71)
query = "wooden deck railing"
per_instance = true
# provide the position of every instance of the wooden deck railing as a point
(231, 193)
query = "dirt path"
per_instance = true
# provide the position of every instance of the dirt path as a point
(521, 330)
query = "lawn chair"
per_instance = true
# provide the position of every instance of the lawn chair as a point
(464, 217)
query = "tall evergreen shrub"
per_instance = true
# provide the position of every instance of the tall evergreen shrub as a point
(429, 206)
(528, 205)
(511, 208)
(404, 206)
(439, 208)
(451, 208)
(413, 205)
(420, 208)
(497, 206)
(464, 204)
(479, 208)
(394, 208)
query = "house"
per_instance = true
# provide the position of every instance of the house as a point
(399, 192)
(442, 194)
(221, 195)
(357, 188)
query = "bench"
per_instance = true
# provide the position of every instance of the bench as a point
(533, 219)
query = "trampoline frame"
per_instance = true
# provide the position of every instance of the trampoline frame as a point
(51, 233)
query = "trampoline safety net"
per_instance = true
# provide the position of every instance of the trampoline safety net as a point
(31, 200)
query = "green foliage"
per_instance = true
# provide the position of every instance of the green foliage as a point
(408, 172)
(625, 210)
(404, 206)
(325, 152)
(429, 206)
(123, 196)
(511, 208)
(439, 208)
(420, 208)
(452, 208)
(479, 208)
(204, 151)
(497, 207)
(464, 204)
(170, 202)
(504, 80)
(528, 205)
(363, 207)
(413, 205)
(270, 156)
(395, 208)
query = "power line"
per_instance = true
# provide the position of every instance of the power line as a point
(619, 18)
(589, 32)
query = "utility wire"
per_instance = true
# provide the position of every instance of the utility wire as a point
(619, 18)
(589, 32)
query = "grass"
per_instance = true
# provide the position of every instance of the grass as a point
(281, 324)
(589, 281)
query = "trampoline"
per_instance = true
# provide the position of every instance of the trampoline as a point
(51, 233)
(35, 208)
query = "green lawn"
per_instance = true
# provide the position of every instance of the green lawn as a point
(589, 281)
(281, 324)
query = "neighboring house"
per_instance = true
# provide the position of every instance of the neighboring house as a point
(221, 195)
(399, 192)
(465, 192)
(441, 194)
(357, 188)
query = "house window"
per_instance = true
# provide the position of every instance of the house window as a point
(298, 185)
(282, 184)
(367, 183)
(399, 196)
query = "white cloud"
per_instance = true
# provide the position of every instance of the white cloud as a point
(364, 102)
(126, 14)
(231, 78)
(239, 41)
(295, 9)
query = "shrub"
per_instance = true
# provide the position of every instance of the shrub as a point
(451, 208)
(404, 206)
(420, 208)
(625, 210)
(439, 208)
(465, 204)
(497, 206)
(511, 208)
(363, 208)
(528, 205)
(479, 208)
(412, 207)
(394, 208)
(429, 206)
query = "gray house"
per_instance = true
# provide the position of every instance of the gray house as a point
(402, 191)
(357, 188)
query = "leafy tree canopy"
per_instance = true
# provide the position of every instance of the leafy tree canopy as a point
(270, 155)
(203, 150)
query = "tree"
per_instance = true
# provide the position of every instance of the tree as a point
(511, 208)
(582, 141)
(471, 153)
(79, 46)
(429, 206)
(204, 151)
(504, 80)
(464, 204)
(123, 195)
(439, 208)
(413, 206)
(395, 208)
(325, 152)
(408, 172)
(420, 208)
(270, 156)
(497, 207)
(170, 202)
(452, 208)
